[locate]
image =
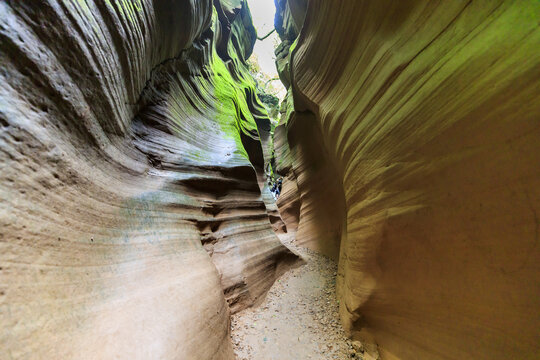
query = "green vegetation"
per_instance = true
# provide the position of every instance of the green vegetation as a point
(266, 89)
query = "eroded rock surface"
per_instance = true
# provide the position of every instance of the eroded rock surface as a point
(131, 211)
(427, 114)
(133, 205)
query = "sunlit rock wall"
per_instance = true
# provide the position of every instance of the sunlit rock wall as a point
(430, 113)
(131, 212)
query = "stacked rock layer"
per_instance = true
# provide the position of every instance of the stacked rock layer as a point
(132, 147)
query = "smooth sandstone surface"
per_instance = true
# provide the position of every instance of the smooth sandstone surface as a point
(428, 113)
(132, 214)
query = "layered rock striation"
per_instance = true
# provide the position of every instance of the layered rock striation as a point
(134, 209)
(132, 152)
(427, 114)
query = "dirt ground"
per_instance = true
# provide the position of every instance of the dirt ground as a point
(298, 319)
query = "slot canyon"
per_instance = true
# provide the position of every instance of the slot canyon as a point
(139, 166)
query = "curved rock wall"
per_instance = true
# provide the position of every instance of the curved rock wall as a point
(131, 211)
(310, 176)
(429, 112)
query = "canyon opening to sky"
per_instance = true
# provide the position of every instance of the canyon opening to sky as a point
(362, 183)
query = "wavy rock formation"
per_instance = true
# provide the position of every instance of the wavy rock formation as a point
(132, 153)
(134, 209)
(412, 135)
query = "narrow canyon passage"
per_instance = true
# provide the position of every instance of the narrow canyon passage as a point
(298, 318)
(348, 179)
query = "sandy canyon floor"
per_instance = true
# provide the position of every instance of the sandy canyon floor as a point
(298, 318)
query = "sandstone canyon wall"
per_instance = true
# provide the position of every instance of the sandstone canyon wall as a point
(428, 114)
(131, 213)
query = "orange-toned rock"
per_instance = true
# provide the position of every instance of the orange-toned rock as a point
(130, 207)
(429, 112)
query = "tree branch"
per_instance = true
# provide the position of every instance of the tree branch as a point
(267, 35)
(266, 83)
